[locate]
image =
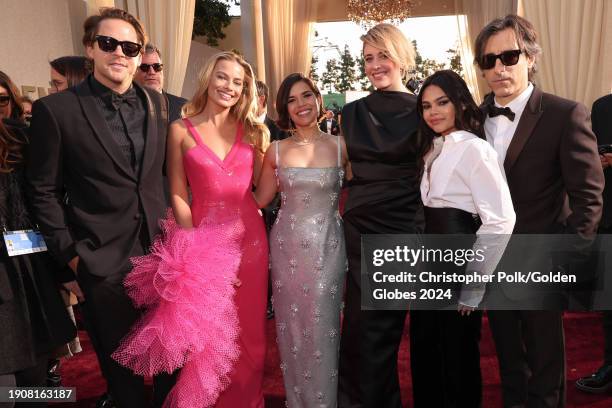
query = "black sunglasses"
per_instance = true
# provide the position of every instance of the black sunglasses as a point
(156, 67)
(507, 58)
(4, 100)
(109, 44)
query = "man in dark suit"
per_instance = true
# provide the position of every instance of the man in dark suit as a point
(262, 112)
(328, 124)
(151, 73)
(550, 159)
(102, 144)
(601, 118)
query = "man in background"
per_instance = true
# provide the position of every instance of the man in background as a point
(329, 124)
(150, 73)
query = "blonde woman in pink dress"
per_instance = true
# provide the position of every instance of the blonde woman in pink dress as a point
(204, 285)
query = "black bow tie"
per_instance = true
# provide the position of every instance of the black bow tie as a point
(496, 111)
(129, 97)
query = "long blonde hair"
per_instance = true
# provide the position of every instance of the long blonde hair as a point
(394, 43)
(244, 111)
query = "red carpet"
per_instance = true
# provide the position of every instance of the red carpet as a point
(583, 347)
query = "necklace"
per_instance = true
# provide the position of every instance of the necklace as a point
(303, 141)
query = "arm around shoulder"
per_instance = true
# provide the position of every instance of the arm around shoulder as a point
(266, 185)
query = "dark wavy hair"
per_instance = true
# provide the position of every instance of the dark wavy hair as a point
(14, 94)
(282, 99)
(10, 149)
(468, 115)
(74, 68)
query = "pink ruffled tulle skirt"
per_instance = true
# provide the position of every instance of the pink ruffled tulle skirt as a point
(185, 286)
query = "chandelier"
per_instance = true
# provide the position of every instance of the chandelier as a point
(370, 12)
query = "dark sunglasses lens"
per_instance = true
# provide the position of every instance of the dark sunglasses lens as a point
(510, 57)
(488, 61)
(130, 49)
(156, 67)
(107, 44)
(4, 100)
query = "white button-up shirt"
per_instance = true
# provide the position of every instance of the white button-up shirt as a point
(500, 130)
(467, 176)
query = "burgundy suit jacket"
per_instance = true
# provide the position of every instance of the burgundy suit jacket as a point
(553, 168)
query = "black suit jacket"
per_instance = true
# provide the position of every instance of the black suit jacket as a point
(275, 132)
(601, 118)
(175, 104)
(335, 129)
(72, 151)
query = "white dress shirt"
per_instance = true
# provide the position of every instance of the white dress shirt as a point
(329, 126)
(500, 130)
(467, 176)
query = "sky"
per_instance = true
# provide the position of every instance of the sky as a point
(434, 35)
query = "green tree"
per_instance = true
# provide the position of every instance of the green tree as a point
(211, 17)
(362, 78)
(423, 67)
(331, 75)
(313, 70)
(347, 71)
(454, 60)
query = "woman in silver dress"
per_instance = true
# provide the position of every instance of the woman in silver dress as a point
(307, 250)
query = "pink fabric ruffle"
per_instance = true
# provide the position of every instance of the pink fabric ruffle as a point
(190, 320)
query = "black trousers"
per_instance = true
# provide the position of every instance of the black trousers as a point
(35, 376)
(445, 359)
(110, 315)
(607, 317)
(369, 344)
(607, 329)
(531, 353)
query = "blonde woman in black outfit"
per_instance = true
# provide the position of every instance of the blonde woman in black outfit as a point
(383, 198)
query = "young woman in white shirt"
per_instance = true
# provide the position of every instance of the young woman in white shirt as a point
(464, 192)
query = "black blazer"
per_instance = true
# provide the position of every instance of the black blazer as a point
(175, 104)
(335, 129)
(601, 118)
(275, 132)
(72, 151)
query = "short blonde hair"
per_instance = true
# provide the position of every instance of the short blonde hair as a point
(394, 43)
(245, 110)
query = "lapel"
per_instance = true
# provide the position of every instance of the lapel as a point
(151, 132)
(100, 129)
(529, 118)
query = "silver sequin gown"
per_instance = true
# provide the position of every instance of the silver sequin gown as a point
(308, 262)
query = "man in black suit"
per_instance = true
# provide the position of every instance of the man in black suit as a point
(550, 159)
(601, 119)
(151, 73)
(262, 112)
(328, 124)
(102, 144)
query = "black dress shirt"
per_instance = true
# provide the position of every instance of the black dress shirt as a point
(125, 116)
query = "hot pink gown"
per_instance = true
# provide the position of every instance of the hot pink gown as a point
(194, 316)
